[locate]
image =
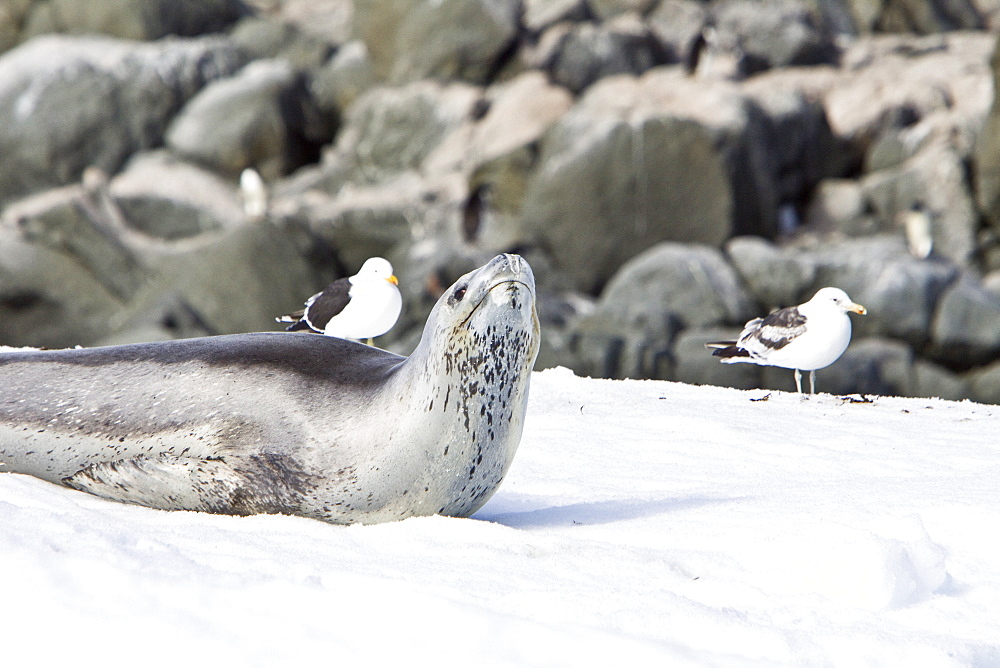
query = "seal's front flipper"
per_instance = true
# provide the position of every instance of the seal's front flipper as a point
(236, 486)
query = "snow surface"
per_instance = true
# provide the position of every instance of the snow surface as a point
(642, 523)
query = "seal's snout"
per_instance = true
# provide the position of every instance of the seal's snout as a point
(513, 261)
(512, 265)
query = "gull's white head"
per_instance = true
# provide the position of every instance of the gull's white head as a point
(375, 268)
(839, 298)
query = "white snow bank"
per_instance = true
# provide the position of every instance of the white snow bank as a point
(643, 523)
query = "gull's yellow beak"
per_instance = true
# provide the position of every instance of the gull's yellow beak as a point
(395, 281)
(858, 308)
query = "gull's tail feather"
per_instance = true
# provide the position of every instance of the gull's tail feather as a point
(726, 349)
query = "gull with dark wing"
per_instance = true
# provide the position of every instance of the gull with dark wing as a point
(807, 337)
(362, 306)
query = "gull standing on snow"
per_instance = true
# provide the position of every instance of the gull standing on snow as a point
(804, 338)
(363, 306)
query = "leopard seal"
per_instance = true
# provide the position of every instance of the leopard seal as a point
(276, 422)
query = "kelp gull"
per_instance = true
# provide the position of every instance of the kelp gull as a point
(804, 338)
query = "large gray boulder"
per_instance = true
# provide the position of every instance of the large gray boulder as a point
(82, 223)
(372, 191)
(928, 379)
(67, 103)
(966, 327)
(659, 158)
(430, 175)
(691, 284)
(451, 39)
(775, 277)
(263, 117)
(669, 288)
(840, 208)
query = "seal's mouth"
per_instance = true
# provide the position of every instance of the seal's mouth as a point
(508, 282)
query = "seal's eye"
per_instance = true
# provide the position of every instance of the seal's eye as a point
(459, 293)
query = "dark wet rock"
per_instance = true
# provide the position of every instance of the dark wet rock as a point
(796, 135)
(58, 94)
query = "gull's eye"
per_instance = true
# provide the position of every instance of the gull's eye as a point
(459, 293)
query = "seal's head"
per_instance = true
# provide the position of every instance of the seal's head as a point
(488, 312)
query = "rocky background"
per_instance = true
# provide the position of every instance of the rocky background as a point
(671, 168)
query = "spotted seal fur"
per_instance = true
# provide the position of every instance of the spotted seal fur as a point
(276, 422)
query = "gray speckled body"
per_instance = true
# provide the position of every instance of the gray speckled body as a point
(288, 423)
